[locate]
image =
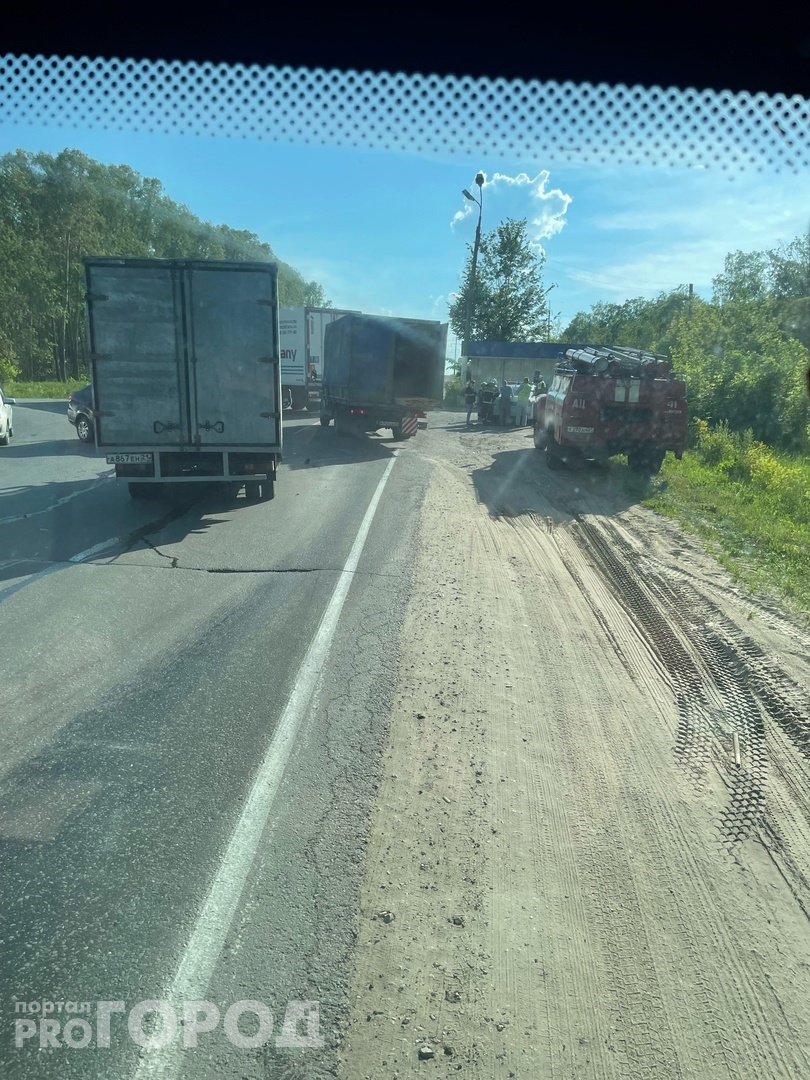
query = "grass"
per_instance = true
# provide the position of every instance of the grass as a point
(750, 505)
(43, 389)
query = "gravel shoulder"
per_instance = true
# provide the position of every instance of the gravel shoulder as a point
(568, 873)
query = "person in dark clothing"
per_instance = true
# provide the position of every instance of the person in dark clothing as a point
(470, 398)
(505, 403)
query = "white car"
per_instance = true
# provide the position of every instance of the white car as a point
(6, 426)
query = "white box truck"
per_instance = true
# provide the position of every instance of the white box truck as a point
(185, 366)
(301, 333)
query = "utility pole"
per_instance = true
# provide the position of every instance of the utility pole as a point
(479, 179)
(548, 312)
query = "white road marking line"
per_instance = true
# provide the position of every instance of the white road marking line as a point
(58, 503)
(82, 556)
(95, 550)
(6, 593)
(214, 921)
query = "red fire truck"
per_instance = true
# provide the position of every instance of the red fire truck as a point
(612, 400)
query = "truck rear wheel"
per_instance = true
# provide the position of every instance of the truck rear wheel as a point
(540, 438)
(267, 490)
(252, 490)
(325, 420)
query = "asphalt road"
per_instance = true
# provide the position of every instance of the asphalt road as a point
(193, 697)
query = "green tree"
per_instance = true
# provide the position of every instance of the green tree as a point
(637, 323)
(55, 211)
(740, 368)
(509, 302)
(744, 278)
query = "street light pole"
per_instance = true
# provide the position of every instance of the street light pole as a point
(479, 179)
(548, 311)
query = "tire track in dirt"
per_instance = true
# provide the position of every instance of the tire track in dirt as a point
(760, 698)
(675, 857)
(611, 942)
(698, 724)
(646, 1034)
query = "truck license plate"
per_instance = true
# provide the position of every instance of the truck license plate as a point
(129, 459)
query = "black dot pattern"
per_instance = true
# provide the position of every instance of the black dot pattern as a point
(432, 116)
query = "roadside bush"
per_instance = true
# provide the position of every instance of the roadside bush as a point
(8, 371)
(716, 446)
(774, 480)
(452, 397)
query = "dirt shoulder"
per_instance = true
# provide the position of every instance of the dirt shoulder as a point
(568, 874)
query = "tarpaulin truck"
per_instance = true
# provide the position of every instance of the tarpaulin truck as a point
(381, 372)
(184, 357)
(301, 333)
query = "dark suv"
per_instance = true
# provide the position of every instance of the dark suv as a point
(80, 413)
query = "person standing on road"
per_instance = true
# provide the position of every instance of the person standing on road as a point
(523, 404)
(470, 398)
(505, 403)
(538, 389)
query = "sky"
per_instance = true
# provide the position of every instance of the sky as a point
(385, 231)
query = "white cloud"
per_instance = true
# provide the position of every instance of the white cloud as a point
(438, 306)
(520, 196)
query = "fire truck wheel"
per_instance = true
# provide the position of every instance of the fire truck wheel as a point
(553, 460)
(540, 438)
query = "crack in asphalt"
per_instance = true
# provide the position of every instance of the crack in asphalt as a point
(271, 570)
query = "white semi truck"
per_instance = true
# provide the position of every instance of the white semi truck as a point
(302, 331)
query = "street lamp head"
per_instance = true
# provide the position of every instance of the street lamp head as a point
(479, 179)
(467, 195)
